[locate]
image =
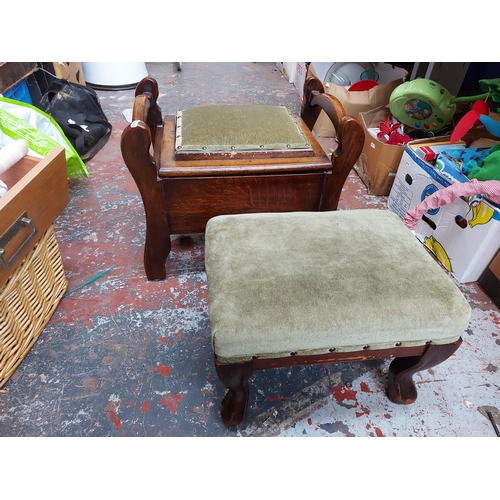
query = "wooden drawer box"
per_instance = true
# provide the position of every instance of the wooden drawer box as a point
(38, 193)
(32, 278)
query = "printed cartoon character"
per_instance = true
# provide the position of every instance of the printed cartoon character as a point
(438, 250)
(417, 109)
(481, 214)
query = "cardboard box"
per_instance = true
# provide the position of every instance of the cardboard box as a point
(378, 162)
(296, 73)
(300, 78)
(490, 280)
(359, 102)
(71, 71)
(430, 153)
(288, 70)
(464, 251)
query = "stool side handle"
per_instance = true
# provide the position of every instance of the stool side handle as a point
(350, 137)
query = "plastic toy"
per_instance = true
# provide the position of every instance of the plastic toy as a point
(489, 167)
(425, 104)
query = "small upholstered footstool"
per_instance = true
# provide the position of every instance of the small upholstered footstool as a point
(313, 287)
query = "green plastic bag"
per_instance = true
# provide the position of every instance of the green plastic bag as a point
(19, 120)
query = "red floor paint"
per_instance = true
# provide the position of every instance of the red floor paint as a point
(365, 411)
(342, 393)
(364, 387)
(275, 398)
(164, 370)
(172, 401)
(111, 411)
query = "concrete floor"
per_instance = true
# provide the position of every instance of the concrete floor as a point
(122, 356)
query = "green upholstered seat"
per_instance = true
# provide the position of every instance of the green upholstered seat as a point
(307, 283)
(238, 128)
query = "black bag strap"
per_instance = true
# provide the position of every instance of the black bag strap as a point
(98, 146)
(100, 143)
(79, 141)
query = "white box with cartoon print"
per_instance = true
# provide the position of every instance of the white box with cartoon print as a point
(464, 250)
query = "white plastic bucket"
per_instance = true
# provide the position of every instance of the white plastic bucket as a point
(114, 75)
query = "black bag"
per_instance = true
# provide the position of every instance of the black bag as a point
(77, 110)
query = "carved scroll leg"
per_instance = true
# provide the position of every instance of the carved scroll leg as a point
(400, 388)
(235, 403)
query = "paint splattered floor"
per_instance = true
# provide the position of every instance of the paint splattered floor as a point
(126, 357)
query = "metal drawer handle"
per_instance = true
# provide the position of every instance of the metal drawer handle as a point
(7, 237)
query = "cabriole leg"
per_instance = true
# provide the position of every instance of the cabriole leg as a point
(235, 403)
(400, 387)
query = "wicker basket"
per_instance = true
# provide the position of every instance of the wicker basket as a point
(28, 300)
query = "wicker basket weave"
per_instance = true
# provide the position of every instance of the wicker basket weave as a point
(28, 300)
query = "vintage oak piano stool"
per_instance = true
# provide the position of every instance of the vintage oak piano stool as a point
(231, 159)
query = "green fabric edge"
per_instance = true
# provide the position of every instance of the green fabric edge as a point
(224, 254)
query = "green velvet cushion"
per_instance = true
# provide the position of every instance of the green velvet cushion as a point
(307, 282)
(238, 128)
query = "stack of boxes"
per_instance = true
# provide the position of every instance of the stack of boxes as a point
(464, 235)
